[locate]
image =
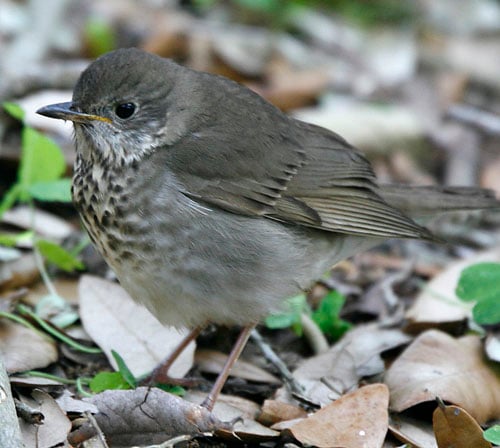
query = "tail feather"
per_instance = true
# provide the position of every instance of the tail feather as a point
(423, 201)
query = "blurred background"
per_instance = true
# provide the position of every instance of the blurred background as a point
(414, 84)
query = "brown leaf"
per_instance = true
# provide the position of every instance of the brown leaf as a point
(24, 349)
(415, 433)
(454, 427)
(146, 416)
(437, 365)
(55, 427)
(338, 370)
(274, 411)
(212, 361)
(18, 272)
(116, 322)
(356, 420)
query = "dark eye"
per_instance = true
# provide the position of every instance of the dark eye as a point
(125, 110)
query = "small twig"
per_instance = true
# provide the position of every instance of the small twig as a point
(291, 383)
(313, 334)
(29, 415)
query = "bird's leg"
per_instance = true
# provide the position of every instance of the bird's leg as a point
(233, 356)
(160, 373)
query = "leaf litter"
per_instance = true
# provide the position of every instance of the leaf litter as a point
(386, 374)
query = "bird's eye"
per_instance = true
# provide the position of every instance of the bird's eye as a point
(125, 110)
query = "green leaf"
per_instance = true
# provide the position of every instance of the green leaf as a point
(176, 390)
(14, 240)
(41, 161)
(479, 282)
(55, 190)
(493, 434)
(13, 109)
(327, 315)
(59, 256)
(10, 198)
(108, 380)
(124, 370)
(487, 311)
(292, 318)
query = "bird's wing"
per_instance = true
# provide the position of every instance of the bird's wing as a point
(338, 183)
(258, 162)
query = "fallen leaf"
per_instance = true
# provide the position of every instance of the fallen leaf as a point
(18, 272)
(455, 428)
(274, 411)
(230, 408)
(356, 420)
(68, 403)
(437, 365)
(438, 303)
(212, 361)
(65, 287)
(415, 433)
(116, 322)
(24, 349)
(146, 416)
(330, 374)
(55, 427)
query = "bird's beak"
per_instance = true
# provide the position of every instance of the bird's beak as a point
(67, 111)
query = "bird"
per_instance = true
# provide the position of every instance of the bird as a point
(213, 206)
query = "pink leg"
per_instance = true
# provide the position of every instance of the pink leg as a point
(209, 402)
(160, 373)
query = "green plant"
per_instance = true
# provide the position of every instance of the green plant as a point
(123, 379)
(39, 177)
(41, 168)
(326, 316)
(481, 283)
(493, 434)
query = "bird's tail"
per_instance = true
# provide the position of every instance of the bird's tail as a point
(421, 202)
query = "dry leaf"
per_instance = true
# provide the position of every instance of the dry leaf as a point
(55, 427)
(227, 407)
(146, 416)
(18, 272)
(455, 428)
(116, 322)
(357, 354)
(230, 408)
(356, 420)
(274, 411)
(24, 349)
(415, 433)
(212, 361)
(437, 365)
(438, 303)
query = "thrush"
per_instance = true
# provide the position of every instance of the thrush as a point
(211, 205)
